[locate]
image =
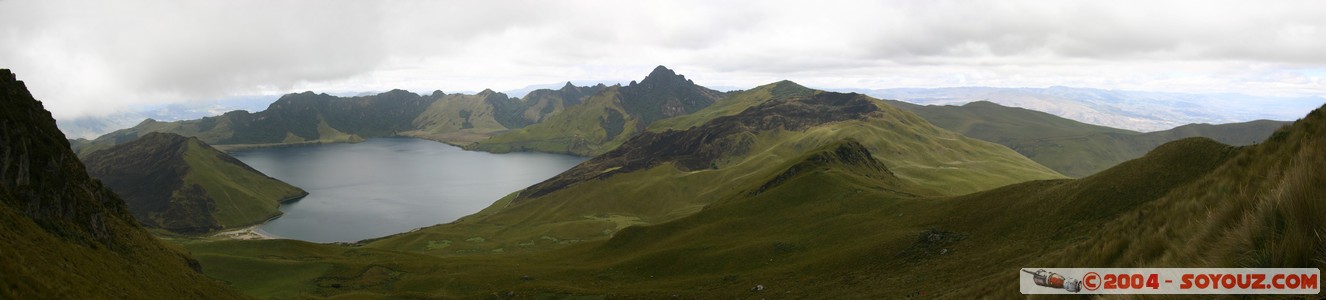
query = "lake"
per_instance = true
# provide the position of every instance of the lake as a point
(391, 185)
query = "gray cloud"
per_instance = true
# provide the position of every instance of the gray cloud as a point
(89, 58)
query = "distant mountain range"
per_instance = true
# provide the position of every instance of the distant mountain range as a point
(592, 120)
(1133, 110)
(309, 118)
(183, 185)
(89, 127)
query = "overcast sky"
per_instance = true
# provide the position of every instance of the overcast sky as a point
(93, 57)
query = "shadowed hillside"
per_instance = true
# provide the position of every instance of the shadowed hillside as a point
(184, 186)
(64, 235)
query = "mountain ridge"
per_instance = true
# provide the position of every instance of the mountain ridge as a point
(1070, 147)
(1132, 110)
(607, 118)
(67, 236)
(312, 118)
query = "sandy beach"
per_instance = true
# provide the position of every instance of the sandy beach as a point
(246, 233)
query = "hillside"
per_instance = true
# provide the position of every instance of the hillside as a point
(660, 176)
(1252, 209)
(834, 223)
(64, 235)
(736, 102)
(308, 118)
(293, 119)
(653, 178)
(463, 119)
(608, 118)
(182, 185)
(1073, 148)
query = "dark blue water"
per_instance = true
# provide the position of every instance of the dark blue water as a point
(391, 185)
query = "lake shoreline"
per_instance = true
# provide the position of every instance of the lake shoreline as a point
(247, 233)
(386, 186)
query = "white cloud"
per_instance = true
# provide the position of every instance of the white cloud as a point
(86, 58)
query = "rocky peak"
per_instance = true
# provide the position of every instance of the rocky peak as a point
(398, 93)
(787, 88)
(664, 93)
(304, 98)
(662, 76)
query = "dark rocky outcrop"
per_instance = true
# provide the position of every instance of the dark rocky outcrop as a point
(66, 236)
(43, 180)
(662, 94)
(848, 154)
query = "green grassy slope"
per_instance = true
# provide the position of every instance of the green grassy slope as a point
(832, 224)
(661, 176)
(1070, 147)
(65, 236)
(184, 186)
(608, 118)
(241, 195)
(1255, 209)
(477, 259)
